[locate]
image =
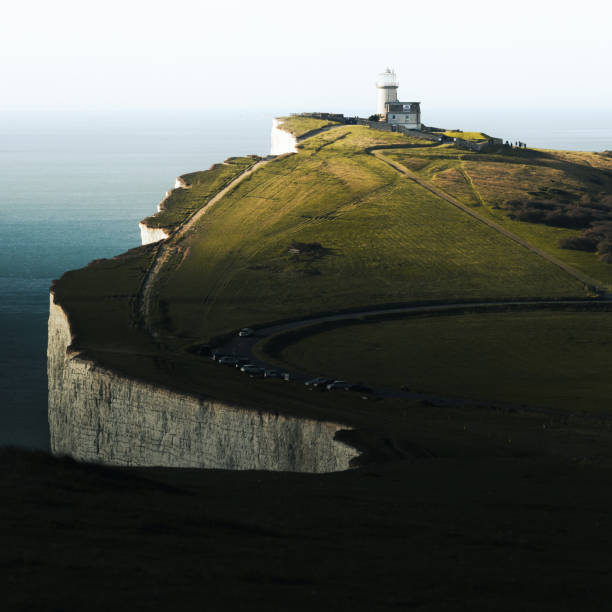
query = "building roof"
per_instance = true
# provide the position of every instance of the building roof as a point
(403, 107)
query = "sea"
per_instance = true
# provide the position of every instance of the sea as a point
(75, 184)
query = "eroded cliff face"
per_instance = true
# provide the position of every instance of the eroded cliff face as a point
(151, 234)
(98, 415)
(280, 140)
(155, 234)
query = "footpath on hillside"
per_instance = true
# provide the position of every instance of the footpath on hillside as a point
(584, 278)
(167, 247)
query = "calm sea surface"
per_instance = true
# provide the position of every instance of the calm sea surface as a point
(74, 187)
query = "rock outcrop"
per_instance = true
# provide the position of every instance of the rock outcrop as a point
(280, 140)
(98, 415)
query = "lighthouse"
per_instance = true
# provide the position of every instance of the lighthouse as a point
(390, 109)
(387, 90)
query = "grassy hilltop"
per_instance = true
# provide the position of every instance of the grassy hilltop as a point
(383, 239)
(358, 218)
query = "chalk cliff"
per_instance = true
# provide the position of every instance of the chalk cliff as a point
(280, 140)
(151, 234)
(155, 234)
(98, 415)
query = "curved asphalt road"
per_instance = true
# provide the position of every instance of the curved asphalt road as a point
(243, 347)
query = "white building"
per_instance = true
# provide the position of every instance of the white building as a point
(390, 109)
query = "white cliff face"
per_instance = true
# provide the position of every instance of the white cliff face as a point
(151, 234)
(148, 234)
(98, 415)
(281, 141)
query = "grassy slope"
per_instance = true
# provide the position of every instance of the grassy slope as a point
(298, 126)
(488, 180)
(201, 187)
(388, 241)
(466, 135)
(539, 358)
(100, 300)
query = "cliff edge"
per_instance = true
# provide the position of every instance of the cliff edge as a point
(281, 141)
(149, 234)
(98, 415)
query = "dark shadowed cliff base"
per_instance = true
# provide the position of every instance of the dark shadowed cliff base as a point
(466, 525)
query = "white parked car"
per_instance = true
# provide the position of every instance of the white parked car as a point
(245, 332)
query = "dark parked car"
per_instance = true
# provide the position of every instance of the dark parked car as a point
(341, 385)
(253, 371)
(246, 332)
(242, 361)
(318, 383)
(227, 360)
(272, 374)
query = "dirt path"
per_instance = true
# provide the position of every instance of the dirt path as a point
(587, 280)
(167, 248)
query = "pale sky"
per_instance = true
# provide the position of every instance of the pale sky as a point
(307, 55)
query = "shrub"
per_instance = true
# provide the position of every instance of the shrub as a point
(307, 250)
(572, 219)
(579, 243)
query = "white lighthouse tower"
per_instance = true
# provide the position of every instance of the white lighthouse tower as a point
(387, 90)
(405, 115)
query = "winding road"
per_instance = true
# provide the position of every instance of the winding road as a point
(245, 347)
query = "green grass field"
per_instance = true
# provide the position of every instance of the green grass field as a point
(487, 181)
(381, 239)
(386, 240)
(539, 358)
(298, 126)
(466, 135)
(100, 301)
(181, 203)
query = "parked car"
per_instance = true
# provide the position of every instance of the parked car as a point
(272, 374)
(338, 385)
(318, 383)
(253, 371)
(227, 360)
(242, 361)
(246, 332)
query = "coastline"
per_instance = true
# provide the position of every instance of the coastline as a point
(97, 415)
(281, 141)
(149, 234)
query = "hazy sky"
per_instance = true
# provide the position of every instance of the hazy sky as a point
(307, 55)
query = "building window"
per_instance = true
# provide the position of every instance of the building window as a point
(392, 116)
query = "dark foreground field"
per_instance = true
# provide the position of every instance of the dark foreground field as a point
(468, 520)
